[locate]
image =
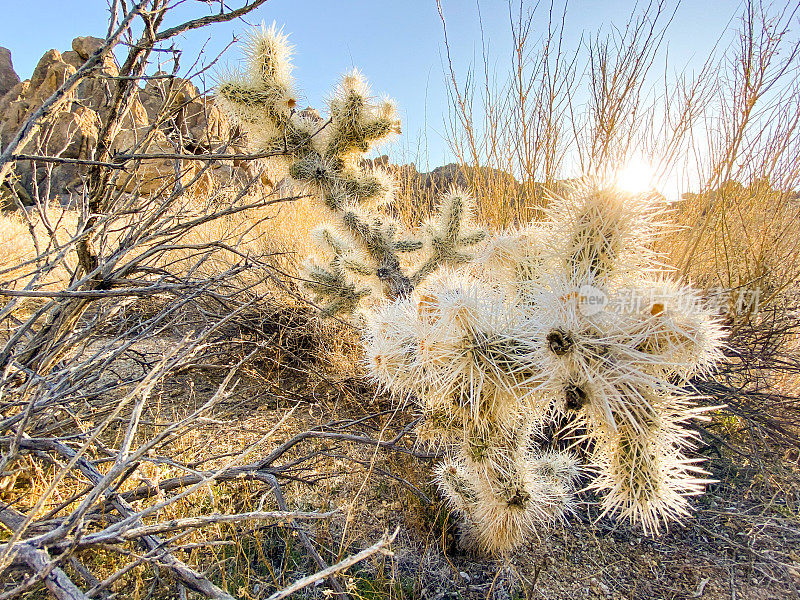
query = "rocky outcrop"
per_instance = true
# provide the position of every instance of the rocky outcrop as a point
(168, 114)
(427, 187)
(8, 77)
(187, 121)
(86, 46)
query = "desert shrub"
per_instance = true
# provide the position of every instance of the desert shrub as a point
(131, 321)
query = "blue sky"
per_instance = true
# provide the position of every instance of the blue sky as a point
(397, 44)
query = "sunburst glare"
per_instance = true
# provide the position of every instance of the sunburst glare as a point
(636, 176)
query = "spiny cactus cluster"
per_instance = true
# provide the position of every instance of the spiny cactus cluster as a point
(571, 320)
(361, 248)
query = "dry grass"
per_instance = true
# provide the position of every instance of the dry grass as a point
(750, 242)
(277, 235)
(250, 556)
(24, 237)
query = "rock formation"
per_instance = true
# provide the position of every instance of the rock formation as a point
(8, 77)
(187, 122)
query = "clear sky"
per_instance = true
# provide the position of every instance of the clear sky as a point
(398, 44)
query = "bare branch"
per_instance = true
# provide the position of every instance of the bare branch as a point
(379, 547)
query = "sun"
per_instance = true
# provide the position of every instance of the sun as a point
(636, 176)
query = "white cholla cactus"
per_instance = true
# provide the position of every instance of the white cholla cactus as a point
(586, 326)
(574, 318)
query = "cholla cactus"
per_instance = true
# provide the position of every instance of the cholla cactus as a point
(325, 157)
(263, 100)
(330, 283)
(573, 318)
(615, 341)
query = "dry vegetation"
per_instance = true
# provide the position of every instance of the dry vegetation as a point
(175, 420)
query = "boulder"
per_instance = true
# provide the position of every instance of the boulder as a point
(13, 118)
(185, 112)
(15, 93)
(43, 65)
(55, 182)
(85, 46)
(8, 77)
(155, 175)
(136, 116)
(13, 108)
(187, 117)
(227, 174)
(12, 194)
(96, 93)
(69, 134)
(203, 123)
(55, 75)
(311, 113)
(66, 184)
(167, 87)
(72, 58)
(205, 184)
